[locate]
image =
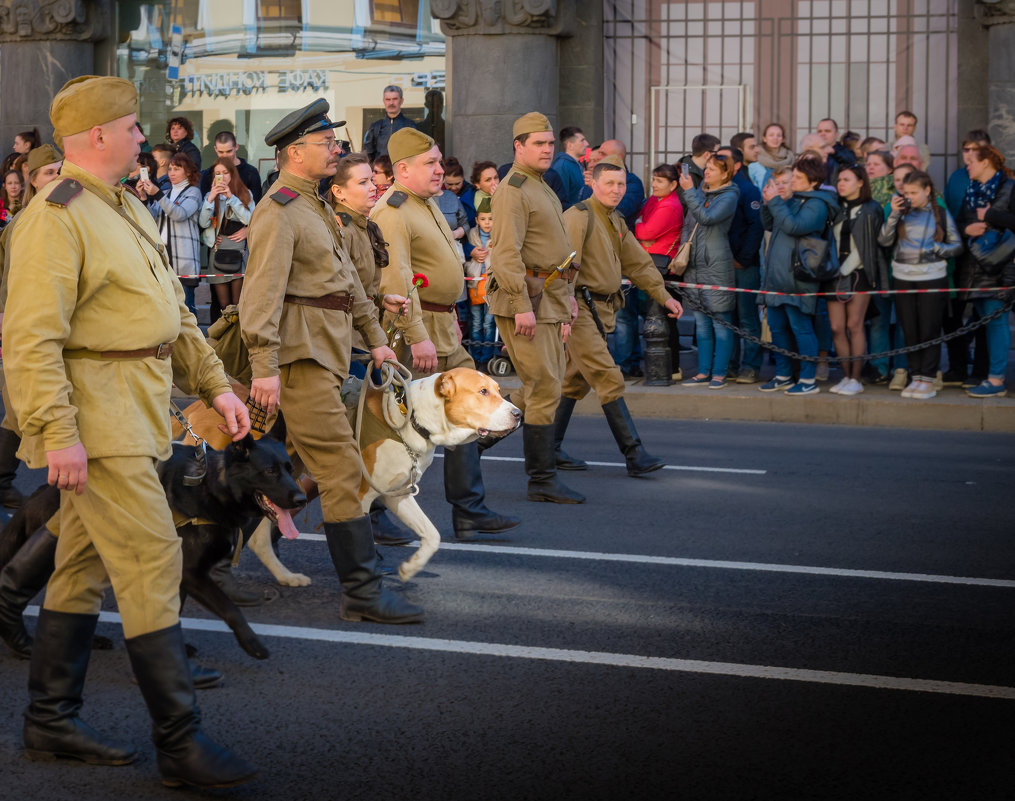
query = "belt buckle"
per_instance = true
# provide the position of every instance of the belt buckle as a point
(164, 350)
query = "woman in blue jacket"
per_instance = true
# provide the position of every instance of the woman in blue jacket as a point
(804, 214)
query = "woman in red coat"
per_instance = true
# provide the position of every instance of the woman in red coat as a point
(659, 231)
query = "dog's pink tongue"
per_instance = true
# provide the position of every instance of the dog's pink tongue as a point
(285, 522)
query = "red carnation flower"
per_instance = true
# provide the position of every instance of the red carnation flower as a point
(418, 279)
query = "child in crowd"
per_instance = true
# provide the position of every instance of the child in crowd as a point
(483, 329)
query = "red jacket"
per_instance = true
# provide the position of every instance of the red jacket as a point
(661, 223)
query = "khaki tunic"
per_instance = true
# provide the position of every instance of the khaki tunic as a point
(606, 250)
(356, 241)
(420, 241)
(82, 278)
(529, 232)
(296, 249)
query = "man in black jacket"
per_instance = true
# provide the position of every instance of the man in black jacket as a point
(746, 234)
(225, 147)
(375, 142)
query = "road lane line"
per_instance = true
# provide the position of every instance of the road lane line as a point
(689, 468)
(712, 564)
(746, 671)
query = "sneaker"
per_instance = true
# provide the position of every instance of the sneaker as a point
(853, 387)
(908, 391)
(717, 383)
(952, 379)
(939, 382)
(776, 384)
(696, 381)
(899, 378)
(677, 376)
(987, 390)
(747, 375)
(822, 371)
(800, 388)
(839, 387)
(924, 391)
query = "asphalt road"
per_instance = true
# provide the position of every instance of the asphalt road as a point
(796, 612)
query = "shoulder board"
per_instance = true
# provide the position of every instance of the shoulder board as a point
(284, 195)
(65, 192)
(345, 218)
(396, 199)
(581, 205)
(517, 179)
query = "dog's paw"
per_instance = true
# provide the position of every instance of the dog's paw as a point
(407, 571)
(294, 580)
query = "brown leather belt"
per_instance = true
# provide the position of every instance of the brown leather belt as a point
(537, 273)
(601, 297)
(339, 301)
(436, 307)
(163, 351)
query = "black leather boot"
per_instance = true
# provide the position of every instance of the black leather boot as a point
(560, 423)
(622, 426)
(10, 496)
(351, 545)
(222, 574)
(56, 678)
(186, 755)
(21, 580)
(386, 530)
(540, 464)
(464, 490)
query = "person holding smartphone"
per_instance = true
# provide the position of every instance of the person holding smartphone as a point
(224, 216)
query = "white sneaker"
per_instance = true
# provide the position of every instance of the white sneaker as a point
(853, 387)
(913, 386)
(924, 391)
(839, 387)
(898, 381)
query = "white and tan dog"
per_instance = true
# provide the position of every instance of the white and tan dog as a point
(447, 409)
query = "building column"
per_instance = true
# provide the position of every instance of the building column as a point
(43, 44)
(503, 61)
(999, 19)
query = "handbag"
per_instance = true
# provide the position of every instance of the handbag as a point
(993, 258)
(227, 256)
(815, 257)
(678, 266)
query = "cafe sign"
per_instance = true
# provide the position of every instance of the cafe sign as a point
(250, 82)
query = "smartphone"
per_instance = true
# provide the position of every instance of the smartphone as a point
(685, 169)
(143, 174)
(221, 179)
(907, 206)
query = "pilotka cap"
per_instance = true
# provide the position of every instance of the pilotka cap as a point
(408, 142)
(299, 123)
(533, 122)
(88, 101)
(41, 156)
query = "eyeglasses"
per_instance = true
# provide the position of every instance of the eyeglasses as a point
(331, 144)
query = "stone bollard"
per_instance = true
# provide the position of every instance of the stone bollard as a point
(657, 356)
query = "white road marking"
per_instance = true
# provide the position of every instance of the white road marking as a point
(689, 468)
(713, 564)
(867, 680)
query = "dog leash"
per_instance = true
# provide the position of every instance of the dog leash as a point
(200, 451)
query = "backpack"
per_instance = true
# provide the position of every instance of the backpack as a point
(816, 256)
(477, 290)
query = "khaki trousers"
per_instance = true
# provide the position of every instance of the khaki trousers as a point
(589, 363)
(119, 532)
(540, 365)
(318, 432)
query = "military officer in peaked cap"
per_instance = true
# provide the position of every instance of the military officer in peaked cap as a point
(420, 241)
(301, 300)
(528, 243)
(94, 342)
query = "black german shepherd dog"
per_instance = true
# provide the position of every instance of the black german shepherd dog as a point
(249, 479)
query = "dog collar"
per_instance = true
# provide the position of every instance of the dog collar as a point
(400, 400)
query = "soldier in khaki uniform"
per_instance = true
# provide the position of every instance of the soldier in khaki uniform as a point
(301, 300)
(420, 241)
(606, 249)
(529, 241)
(94, 312)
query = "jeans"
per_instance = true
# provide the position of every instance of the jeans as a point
(747, 314)
(715, 344)
(998, 336)
(881, 338)
(625, 343)
(823, 327)
(189, 296)
(483, 333)
(782, 320)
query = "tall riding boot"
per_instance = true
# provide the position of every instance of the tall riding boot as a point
(622, 426)
(21, 580)
(351, 544)
(186, 755)
(560, 423)
(540, 464)
(56, 678)
(9, 444)
(464, 490)
(386, 530)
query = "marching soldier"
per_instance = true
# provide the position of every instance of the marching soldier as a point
(301, 299)
(606, 248)
(94, 342)
(420, 241)
(529, 242)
